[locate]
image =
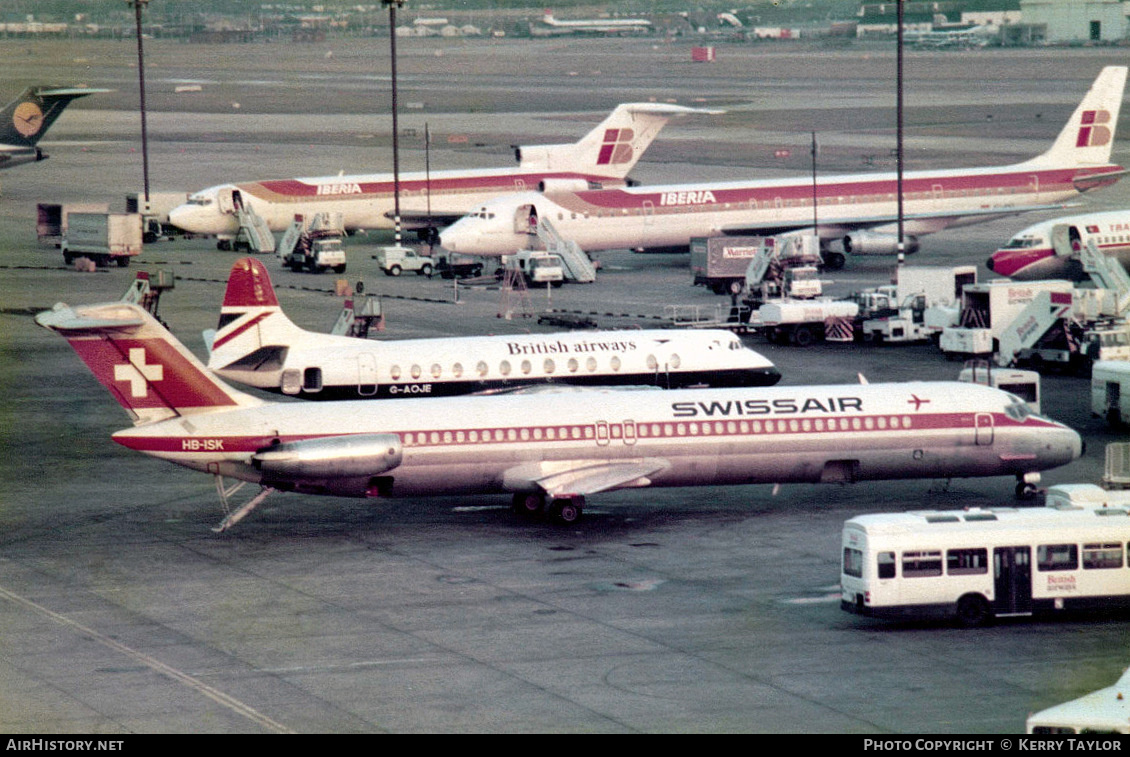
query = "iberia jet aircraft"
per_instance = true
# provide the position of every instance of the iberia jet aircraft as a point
(558, 452)
(858, 213)
(429, 201)
(1051, 249)
(256, 344)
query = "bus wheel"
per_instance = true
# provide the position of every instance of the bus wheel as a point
(972, 611)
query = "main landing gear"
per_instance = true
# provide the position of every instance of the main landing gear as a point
(564, 510)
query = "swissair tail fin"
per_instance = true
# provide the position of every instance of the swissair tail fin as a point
(1088, 137)
(614, 147)
(151, 374)
(253, 330)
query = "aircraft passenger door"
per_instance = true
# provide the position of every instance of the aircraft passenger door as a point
(1034, 187)
(526, 219)
(366, 375)
(983, 424)
(1066, 240)
(224, 200)
(1012, 580)
(938, 193)
(602, 434)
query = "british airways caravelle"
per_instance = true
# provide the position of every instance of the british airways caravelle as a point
(430, 200)
(1051, 249)
(548, 453)
(257, 345)
(856, 212)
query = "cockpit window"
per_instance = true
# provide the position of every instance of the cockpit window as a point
(1020, 243)
(1017, 409)
(202, 200)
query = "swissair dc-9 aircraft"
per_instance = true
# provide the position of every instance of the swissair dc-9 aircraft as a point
(256, 344)
(856, 212)
(1050, 250)
(545, 449)
(603, 157)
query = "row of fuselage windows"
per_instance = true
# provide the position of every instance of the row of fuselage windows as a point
(312, 378)
(629, 431)
(975, 561)
(778, 203)
(549, 366)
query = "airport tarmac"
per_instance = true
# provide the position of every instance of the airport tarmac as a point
(691, 610)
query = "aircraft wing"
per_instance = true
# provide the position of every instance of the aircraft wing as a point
(412, 218)
(582, 477)
(858, 222)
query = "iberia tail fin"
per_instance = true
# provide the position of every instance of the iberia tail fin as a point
(151, 374)
(1087, 138)
(611, 149)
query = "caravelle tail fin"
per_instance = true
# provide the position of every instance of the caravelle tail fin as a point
(614, 147)
(24, 120)
(253, 332)
(151, 374)
(1088, 137)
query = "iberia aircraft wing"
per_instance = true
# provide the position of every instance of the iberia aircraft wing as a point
(415, 217)
(581, 477)
(857, 222)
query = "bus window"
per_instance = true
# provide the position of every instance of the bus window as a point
(921, 564)
(1100, 556)
(967, 562)
(853, 562)
(1057, 557)
(886, 564)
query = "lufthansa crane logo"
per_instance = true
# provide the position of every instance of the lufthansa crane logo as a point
(137, 373)
(28, 119)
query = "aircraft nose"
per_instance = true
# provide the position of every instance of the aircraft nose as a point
(989, 264)
(181, 217)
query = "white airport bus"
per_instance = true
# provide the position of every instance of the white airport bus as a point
(1104, 711)
(977, 564)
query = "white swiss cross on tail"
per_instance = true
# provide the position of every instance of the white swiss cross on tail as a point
(137, 373)
(150, 373)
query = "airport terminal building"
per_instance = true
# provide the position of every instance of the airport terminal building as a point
(1067, 21)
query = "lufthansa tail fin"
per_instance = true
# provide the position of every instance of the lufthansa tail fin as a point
(1088, 137)
(253, 331)
(24, 120)
(151, 374)
(614, 147)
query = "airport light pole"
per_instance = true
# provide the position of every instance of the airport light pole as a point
(137, 6)
(392, 6)
(898, 131)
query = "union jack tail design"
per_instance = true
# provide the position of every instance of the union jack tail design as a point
(251, 320)
(1088, 137)
(151, 374)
